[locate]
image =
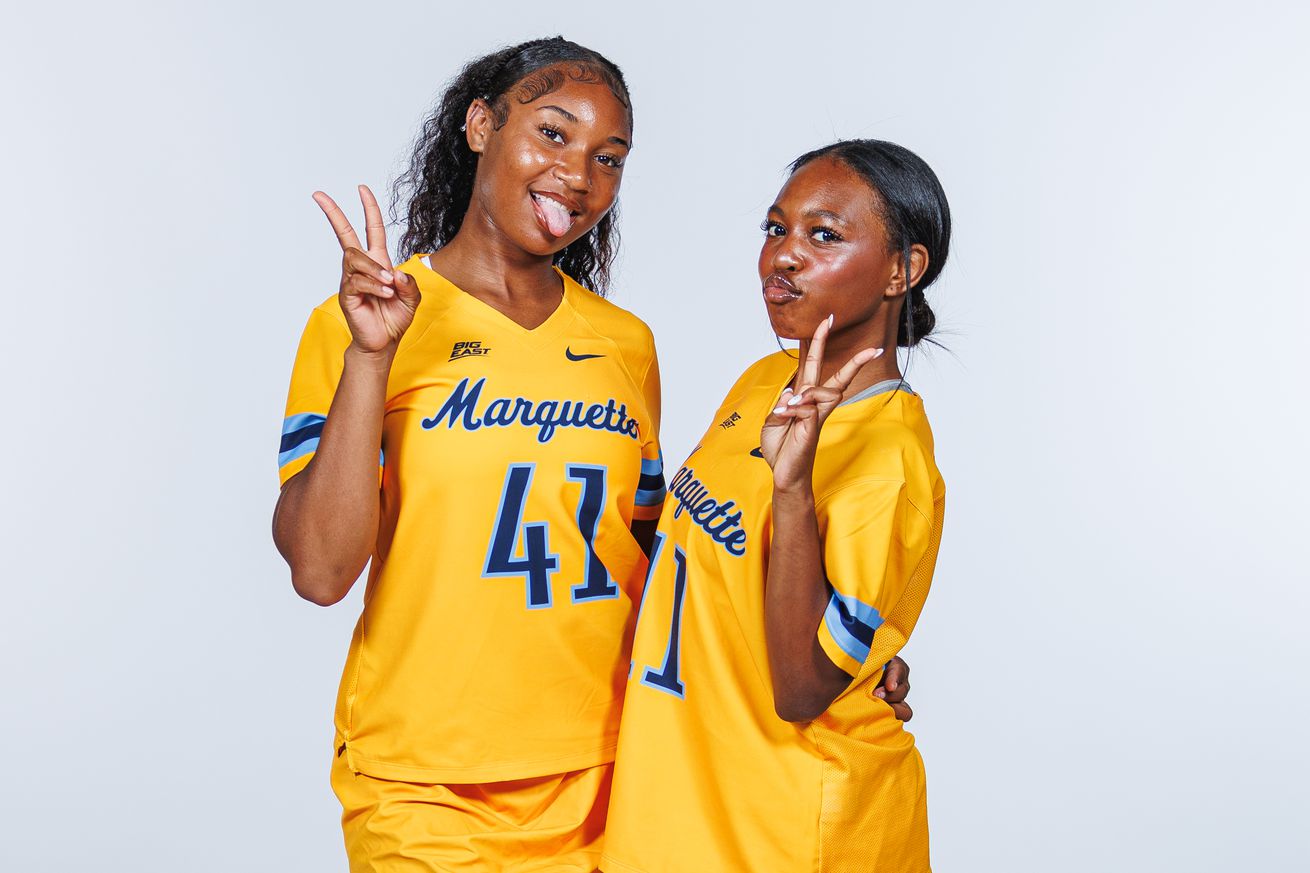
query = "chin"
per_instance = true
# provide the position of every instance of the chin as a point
(783, 327)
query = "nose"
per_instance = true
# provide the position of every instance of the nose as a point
(574, 171)
(786, 257)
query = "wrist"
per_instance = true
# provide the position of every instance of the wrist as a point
(378, 361)
(798, 496)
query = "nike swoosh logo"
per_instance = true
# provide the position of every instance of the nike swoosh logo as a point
(572, 357)
(756, 453)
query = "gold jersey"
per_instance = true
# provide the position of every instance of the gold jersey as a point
(494, 640)
(708, 777)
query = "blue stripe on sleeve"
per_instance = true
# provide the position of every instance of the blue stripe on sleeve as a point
(650, 496)
(851, 623)
(650, 487)
(296, 429)
(300, 436)
(307, 447)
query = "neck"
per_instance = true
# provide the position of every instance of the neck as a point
(482, 261)
(843, 344)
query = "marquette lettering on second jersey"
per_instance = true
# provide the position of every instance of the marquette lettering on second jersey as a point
(694, 498)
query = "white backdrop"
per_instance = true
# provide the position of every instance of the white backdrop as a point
(1109, 674)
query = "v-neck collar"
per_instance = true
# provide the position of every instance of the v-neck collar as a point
(554, 325)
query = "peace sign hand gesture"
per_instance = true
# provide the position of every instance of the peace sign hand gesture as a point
(791, 432)
(378, 302)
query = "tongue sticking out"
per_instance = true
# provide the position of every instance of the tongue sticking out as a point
(558, 220)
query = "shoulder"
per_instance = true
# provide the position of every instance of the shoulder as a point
(630, 335)
(769, 371)
(887, 444)
(606, 317)
(329, 313)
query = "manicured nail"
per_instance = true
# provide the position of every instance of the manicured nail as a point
(780, 410)
(830, 322)
(787, 390)
(386, 276)
(793, 401)
(877, 353)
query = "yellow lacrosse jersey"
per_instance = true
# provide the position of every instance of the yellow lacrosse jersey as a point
(494, 641)
(708, 777)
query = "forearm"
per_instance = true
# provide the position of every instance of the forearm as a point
(326, 520)
(805, 681)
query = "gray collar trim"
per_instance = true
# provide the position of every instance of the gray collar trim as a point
(880, 388)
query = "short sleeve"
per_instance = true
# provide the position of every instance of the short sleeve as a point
(314, 377)
(873, 538)
(650, 490)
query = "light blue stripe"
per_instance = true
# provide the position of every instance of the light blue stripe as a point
(310, 446)
(857, 650)
(847, 641)
(649, 498)
(653, 466)
(861, 610)
(305, 448)
(304, 419)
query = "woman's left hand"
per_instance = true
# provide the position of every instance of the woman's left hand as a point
(791, 432)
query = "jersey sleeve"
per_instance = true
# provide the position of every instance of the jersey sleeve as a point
(650, 490)
(314, 377)
(873, 539)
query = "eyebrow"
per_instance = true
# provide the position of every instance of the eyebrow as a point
(617, 140)
(824, 213)
(812, 214)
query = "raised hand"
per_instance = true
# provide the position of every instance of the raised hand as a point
(379, 302)
(791, 432)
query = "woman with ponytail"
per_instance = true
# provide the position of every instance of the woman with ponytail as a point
(794, 556)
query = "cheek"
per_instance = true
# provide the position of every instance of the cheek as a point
(845, 286)
(605, 189)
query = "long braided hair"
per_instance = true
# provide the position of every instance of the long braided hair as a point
(433, 194)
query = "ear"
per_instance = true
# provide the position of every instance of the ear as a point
(918, 266)
(478, 125)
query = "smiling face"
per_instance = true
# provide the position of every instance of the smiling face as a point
(826, 252)
(551, 171)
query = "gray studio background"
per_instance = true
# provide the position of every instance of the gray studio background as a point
(1109, 674)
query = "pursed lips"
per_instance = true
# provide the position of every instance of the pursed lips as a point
(779, 289)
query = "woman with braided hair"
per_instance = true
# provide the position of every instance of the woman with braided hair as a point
(480, 426)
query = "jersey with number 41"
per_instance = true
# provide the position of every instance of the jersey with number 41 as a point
(493, 641)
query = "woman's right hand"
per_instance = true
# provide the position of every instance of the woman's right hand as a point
(378, 302)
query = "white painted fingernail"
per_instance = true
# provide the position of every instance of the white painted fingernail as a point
(793, 401)
(780, 410)
(877, 353)
(830, 317)
(787, 390)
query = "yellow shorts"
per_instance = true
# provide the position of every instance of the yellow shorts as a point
(549, 823)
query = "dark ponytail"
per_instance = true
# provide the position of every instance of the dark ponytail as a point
(434, 192)
(914, 210)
